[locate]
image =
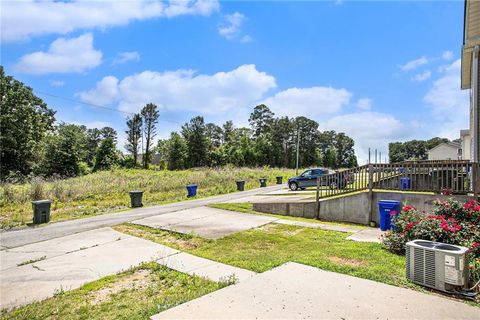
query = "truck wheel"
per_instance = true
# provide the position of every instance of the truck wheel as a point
(293, 186)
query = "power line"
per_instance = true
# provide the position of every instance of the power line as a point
(98, 106)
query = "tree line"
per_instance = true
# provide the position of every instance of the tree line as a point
(270, 141)
(32, 143)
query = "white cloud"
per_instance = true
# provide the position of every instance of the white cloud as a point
(246, 39)
(447, 55)
(104, 93)
(188, 7)
(419, 77)
(449, 104)
(368, 130)
(124, 57)
(232, 27)
(411, 65)
(57, 83)
(364, 104)
(63, 56)
(185, 90)
(308, 102)
(29, 18)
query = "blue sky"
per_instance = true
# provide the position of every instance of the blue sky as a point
(379, 71)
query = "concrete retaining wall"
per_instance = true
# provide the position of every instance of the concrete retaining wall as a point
(353, 208)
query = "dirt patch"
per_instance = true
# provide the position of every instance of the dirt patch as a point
(140, 279)
(182, 243)
(268, 228)
(347, 262)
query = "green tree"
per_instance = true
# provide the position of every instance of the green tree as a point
(25, 120)
(330, 158)
(150, 118)
(194, 133)
(94, 136)
(134, 134)
(308, 131)
(177, 152)
(64, 151)
(228, 128)
(261, 119)
(283, 136)
(106, 156)
(345, 153)
(108, 133)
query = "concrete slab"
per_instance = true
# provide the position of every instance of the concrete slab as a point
(367, 235)
(206, 268)
(317, 225)
(295, 291)
(24, 284)
(206, 222)
(48, 249)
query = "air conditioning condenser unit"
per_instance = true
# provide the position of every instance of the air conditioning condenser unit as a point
(437, 265)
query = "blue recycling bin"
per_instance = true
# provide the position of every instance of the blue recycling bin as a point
(385, 207)
(405, 183)
(191, 190)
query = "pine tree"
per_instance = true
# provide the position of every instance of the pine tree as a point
(150, 118)
(134, 134)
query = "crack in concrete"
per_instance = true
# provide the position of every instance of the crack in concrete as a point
(37, 267)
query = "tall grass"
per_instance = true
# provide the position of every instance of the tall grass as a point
(107, 191)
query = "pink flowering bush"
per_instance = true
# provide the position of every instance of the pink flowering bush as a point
(450, 222)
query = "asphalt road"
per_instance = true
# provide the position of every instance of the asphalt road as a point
(12, 239)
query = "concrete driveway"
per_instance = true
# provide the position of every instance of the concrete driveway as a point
(296, 291)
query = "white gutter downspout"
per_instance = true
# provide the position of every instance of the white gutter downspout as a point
(475, 111)
(476, 123)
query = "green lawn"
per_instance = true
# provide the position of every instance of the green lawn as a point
(272, 245)
(135, 294)
(107, 191)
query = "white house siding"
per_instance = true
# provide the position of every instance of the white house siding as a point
(443, 151)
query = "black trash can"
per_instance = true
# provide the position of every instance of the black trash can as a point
(240, 185)
(263, 182)
(279, 180)
(136, 198)
(41, 211)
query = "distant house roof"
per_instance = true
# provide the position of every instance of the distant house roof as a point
(452, 144)
(471, 38)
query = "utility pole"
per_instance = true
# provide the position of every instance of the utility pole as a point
(298, 145)
(375, 156)
(369, 156)
(380, 156)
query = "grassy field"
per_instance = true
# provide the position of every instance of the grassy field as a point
(107, 191)
(135, 294)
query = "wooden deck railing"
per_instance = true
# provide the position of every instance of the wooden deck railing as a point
(448, 177)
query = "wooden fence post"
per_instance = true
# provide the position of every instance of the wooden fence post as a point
(370, 191)
(317, 208)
